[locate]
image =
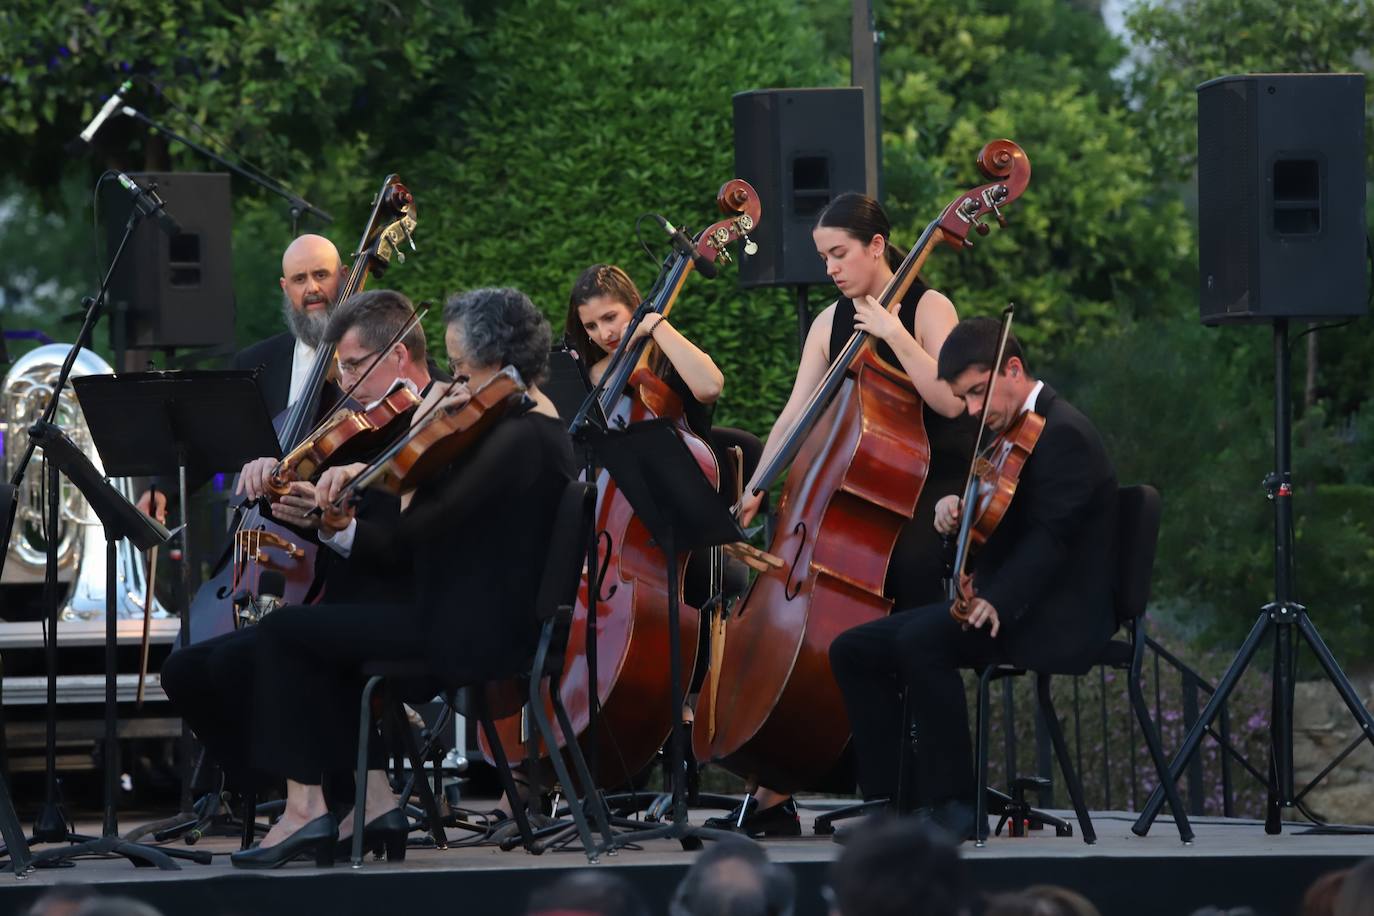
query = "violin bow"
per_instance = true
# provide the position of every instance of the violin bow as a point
(376, 361)
(965, 510)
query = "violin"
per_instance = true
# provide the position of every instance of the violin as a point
(991, 485)
(349, 434)
(856, 459)
(258, 542)
(345, 437)
(437, 438)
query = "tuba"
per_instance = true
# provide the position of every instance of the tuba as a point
(81, 539)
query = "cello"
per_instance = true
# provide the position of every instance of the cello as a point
(632, 636)
(256, 541)
(859, 456)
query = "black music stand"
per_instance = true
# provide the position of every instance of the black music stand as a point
(567, 383)
(120, 519)
(683, 512)
(191, 424)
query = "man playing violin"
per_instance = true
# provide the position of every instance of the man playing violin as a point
(362, 330)
(472, 533)
(1043, 588)
(205, 682)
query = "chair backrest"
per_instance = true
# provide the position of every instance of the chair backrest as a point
(567, 548)
(1137, 535)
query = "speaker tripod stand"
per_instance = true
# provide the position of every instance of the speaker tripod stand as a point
(1283, 615)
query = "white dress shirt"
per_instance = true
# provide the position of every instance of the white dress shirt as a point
(301, 360)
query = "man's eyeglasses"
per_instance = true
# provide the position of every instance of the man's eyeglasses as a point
(354, 366)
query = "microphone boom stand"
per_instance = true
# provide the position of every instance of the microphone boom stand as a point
(50, 826)
(299, 205)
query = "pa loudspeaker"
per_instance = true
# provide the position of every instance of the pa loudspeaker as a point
(799, 148)
(176, 291)
(1281, 197)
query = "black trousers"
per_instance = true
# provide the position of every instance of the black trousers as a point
(210, 685)
(921, 650)
(308, 683)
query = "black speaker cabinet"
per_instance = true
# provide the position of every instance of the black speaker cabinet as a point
(1281, 197)
(176, 291)
(799, 148)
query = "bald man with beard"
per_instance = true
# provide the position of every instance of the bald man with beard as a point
(311, 275)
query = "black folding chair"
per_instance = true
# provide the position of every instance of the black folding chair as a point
(553, 610)
(1138, 514)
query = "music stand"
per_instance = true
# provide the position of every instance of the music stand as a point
(120, 519)
(567, 383)
(191, 423)
(683, 512)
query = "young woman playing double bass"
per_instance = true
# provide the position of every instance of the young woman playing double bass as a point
(602, 301)
(852, 238)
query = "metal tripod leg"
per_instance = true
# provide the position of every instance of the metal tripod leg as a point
(1194, 737)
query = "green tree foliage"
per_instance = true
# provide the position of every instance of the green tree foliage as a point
(323, 94)
(1219, 529)
(1182, 43)
(1093, 239)
(586, 117)
(287, 79)
(1200, 427)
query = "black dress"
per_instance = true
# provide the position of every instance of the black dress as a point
(914, 577)
(477, 537)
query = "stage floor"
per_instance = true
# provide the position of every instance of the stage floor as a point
(1231, 863)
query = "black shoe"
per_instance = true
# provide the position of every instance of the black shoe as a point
(386, 833)
(318, 836)
(779, 820)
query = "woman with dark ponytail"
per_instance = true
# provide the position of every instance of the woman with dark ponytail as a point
(852, 238)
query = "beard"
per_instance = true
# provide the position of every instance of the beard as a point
(307, 326)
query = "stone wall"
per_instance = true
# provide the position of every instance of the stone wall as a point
(1322, 727)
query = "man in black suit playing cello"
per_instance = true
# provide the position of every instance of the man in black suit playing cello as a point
(1043, 582)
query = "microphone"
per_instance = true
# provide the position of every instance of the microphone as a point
(105, 111)
(704, 265)
(149, 204)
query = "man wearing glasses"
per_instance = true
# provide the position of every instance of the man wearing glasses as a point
(204, 681)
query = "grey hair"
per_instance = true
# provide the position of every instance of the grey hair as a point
(502, 327)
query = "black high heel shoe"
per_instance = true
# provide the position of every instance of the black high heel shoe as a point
(386, 833)
(318, 836)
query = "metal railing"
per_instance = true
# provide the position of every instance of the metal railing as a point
(1108, 750)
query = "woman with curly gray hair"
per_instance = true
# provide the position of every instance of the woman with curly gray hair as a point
(470, 536)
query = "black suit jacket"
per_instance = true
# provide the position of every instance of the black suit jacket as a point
(1049, 568)
(274, 355)
(476, 538)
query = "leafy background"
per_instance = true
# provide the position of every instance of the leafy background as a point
(533, 132)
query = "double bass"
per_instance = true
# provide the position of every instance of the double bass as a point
(858, 456)
(632, 636)
(257, 542)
